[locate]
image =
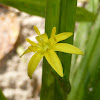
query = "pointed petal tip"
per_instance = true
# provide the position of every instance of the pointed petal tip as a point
(27, 39)
(71, 33)
(20, 55)
(34, 27)
(61, 75)
(29, 74)
(68, 33)
(54, 27)
(82, 53)
(33, 63)
(67, 48)
(53, 32)
(30, 77)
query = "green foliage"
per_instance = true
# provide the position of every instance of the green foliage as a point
(2, 97)
(37, 7)
(84, 15)
(85, 71)
(48, 80)
(57, 14)
(33, 7)
(86, 75)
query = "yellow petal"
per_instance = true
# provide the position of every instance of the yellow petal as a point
(54, 61)
(31, 42)
(53, 32)
(60, 37)
(26, 51)
(33, 63)
(63, 36)
(30, 49)
(36, 30)
(34, 48)
(67, 48)
(44, 38)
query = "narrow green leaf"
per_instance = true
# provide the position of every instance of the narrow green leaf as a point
(89, 65)
(84, 15)
(33, 7)
(93, 79)
(81, 39)
(37, 7)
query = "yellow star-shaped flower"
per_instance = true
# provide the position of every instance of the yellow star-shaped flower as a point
(47, 47)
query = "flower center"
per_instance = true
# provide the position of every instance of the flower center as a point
(44, 47)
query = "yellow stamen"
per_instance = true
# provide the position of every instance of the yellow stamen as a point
(31, 42)
(38, 33)
(53, 32)
(36, 30)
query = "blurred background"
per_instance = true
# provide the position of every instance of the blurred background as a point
(15, 27)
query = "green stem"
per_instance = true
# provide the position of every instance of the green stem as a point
(48, 81)
(67, 24)
(61, 14)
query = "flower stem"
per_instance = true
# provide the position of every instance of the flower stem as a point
(59, 14)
